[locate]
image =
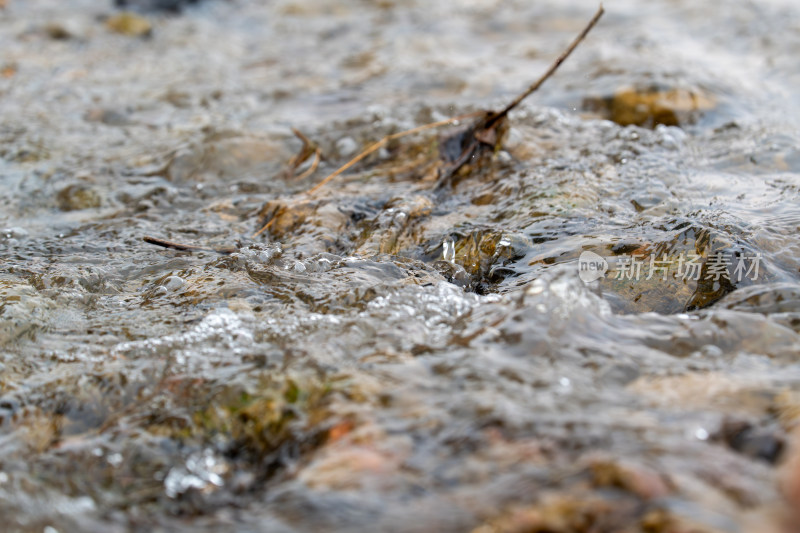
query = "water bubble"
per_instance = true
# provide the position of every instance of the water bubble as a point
(267, 255)
(15, 233)
(173, 283)
(449, 250)
(711, 351)
(160, 291)
(346, 146)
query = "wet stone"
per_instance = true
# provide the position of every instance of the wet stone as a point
(58, 32)
(173, 6)
(790, 477)
(110, 117)
(620, 374)
(388, 355)
(129, 24)
(78, 196)
(761, 441)
(8, 409)
(236, 157)
(23, 311)
(652, 107)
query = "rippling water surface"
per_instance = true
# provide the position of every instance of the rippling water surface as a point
(388, 355)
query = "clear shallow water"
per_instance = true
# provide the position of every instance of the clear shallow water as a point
(387, 356)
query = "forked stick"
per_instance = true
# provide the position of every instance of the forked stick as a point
(461, 146)
(550, 71)
(384, 141)
(308, 149)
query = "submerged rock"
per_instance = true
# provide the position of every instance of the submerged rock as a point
(23, 310)
(653, 106)
(109, 117)
(762, 442)
(335, 371)
(58, 31)
(130, 24)
(790, 479)
(229, 157)
(78, 196)
(173, 6)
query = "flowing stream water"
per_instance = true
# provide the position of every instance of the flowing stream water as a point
(594, 328)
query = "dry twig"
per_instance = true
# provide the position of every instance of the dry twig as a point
(487, 131)
(369, 150)
(308, 149)
(185, 247)
(459, 147)
(455, 149)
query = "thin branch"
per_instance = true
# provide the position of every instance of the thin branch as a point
(313, 167)
(308, 149)
(483, 129)
(375, 146)
(272, 220)
(484, 132)
(185, 247)
(557, 63)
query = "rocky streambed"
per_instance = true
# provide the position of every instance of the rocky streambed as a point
(593, 328)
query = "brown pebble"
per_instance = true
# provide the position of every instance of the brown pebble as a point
(130, 24)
